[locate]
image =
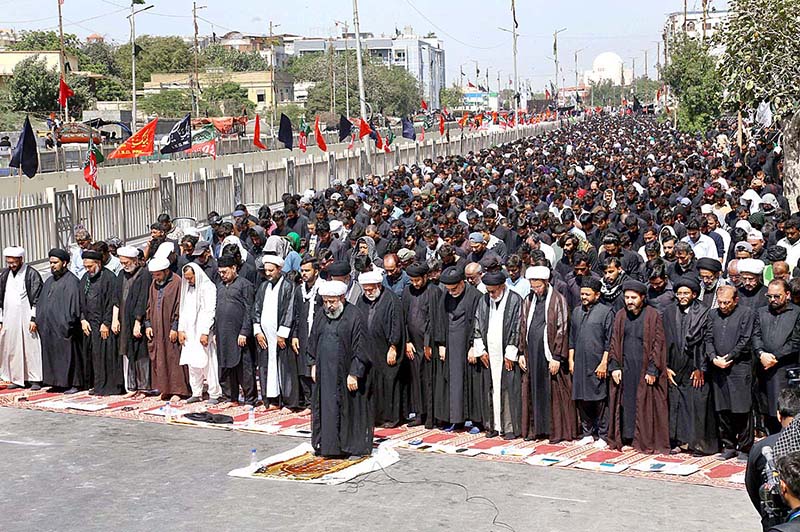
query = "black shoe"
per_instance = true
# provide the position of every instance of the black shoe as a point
(727, 454)
(193, 399)
(71, 391)
(151, 393)
(491, 433)
(416, 422)
(509, 436)
(35, 386)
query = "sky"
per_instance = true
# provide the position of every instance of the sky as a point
(468, 28)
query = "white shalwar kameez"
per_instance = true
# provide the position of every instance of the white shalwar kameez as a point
(20, 349)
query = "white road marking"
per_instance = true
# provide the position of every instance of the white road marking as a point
(553, 498)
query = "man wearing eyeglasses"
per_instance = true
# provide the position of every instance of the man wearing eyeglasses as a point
(776, 342)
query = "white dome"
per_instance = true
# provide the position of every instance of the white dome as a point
(607, 63)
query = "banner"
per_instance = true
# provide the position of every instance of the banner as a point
(139, 145)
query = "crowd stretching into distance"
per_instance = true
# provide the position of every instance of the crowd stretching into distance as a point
(614, 282)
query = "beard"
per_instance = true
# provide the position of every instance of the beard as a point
(374, 296)
(335, 312)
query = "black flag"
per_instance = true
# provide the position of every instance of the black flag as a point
(408, 129)
(285, 132)
(345, 128)
(180, 137)
(637, 105)
(26, 156)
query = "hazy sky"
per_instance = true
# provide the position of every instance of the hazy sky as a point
(469, 28)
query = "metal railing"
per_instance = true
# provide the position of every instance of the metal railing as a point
(125, 209)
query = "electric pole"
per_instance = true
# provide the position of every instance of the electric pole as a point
(685, 14)
(346, 61)
(274, 114)
(62, 59)
(576, 71)
(555, 56)
(131, 19)
(361, 95)
(705, 11)
(645, 64)
(514, 35)
(196, 82)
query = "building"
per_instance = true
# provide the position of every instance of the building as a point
(9, 60)
(422, 57)
(264, 45)
(258, 84)
(8, 38)
(608, 66)
(95, 38)
(692, 24)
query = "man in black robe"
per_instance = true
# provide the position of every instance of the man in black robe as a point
(273, 315)
(420, 301)
(589, 341)
(776, 342)
(691, 410)
(97, 311)
(202, 255)
(752, 292)
(133, 288)
(58, 316)
(234, 324)
(341, 412)
(457, 314)
(494, 382)
(384, 341)
(728, 348)
(307, 303)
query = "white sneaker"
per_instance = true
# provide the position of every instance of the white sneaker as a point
(600, 444)
(586, 441)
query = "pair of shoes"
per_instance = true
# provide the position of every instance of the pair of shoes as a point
(586, 441)
(71, 391)
(491, 433)
(36, 386)
(213, 401)
(193, 399)
(727, 454)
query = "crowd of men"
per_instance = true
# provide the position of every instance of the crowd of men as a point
(614, 282)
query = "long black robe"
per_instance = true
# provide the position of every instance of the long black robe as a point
(300, 330)
(731, 336)
(589, 337)
(384, 329)
(233, 317)
(341, 420)
(457, 315)
(778, 334)
(287, 363)
(97, 307)
(755, 299)
(132, 305)
(480, 385)
(691, 410)
(419, 316)
(58, 316)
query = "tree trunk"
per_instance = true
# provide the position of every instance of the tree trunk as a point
(791, 162)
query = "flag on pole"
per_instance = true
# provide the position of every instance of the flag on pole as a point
(388, 141)
(424, 105)
(441, 123)
(257, 134)
(352, 141)
(285, 132)
(408, 129)
(345, 128)
(302, 136)
(422, 134)
(139, 144)
(464, 119)
(470, 85)
(180, 136)
(90, 166)
(64, 92)
(208, 147)
(378, 140)
(26, 156)
(321, 144)
(363, 129)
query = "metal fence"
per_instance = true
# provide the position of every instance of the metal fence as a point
(125, 209)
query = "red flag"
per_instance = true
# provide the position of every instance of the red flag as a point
(139, 144)
(470, 85)
(209, 148)
(257, 134)
(378, 140)
(302, 141)
(422, 134)
(424, 105)
(463, 121)
(363, 129)
(494, 117)
(546, 94)
(90, 170)
(318, 135)
(352, 141)
(441, 124)
(386, 147)
(64, 92)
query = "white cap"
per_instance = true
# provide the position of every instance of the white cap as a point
(537, 272)
(273, 259)
(336, 226)
(158, 264)
(128, 251)
(754, 266)
(332, 289)
(14, 251)
(371, 277)
(164, 249)
(755, 234)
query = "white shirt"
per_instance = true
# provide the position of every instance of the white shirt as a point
(704, 247)
(792, 252)
(522, 287)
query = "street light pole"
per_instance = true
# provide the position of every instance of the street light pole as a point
(196, 84)
(514, 35)
(555, 56)
(133, 61)
(576, 71)
(346, 74)
(361, 95)
(274, 114)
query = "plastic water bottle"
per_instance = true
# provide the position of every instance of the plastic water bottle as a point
(253, 457)
(251, 416)
(168, 411)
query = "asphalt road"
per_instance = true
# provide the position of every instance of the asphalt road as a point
(76, 473)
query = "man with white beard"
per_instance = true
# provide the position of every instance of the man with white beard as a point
(195, 333)
(20, 349)
(133, 289)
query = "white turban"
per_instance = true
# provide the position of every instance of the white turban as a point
(14, 251)
(158, 264)
(128, 251)
(273, 259)
(538, 272)
(754, 266)
(371, 277)
(164, 249)
(332, 289)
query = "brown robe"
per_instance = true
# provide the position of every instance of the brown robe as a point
(563, 416)
(169, 377)
(651, 434)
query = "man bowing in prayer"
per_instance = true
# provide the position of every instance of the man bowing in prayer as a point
(638, 411)
(547, 407)
(273, 314)
(494, 391)
(20, 349)
(196, 333)
(58, 316)
(161, 329)
(341, 413)
(383, 340)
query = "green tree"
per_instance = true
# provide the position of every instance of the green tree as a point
(646, 89)
(112, 89)
(761, 58)
(604, 93)
(157, 55)
(226, 99)
(41, 41)
(169, 103)
(452, 97)
(99, 57)
(233, 60)
(293, 111)
(33, 87)
(693, 77)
